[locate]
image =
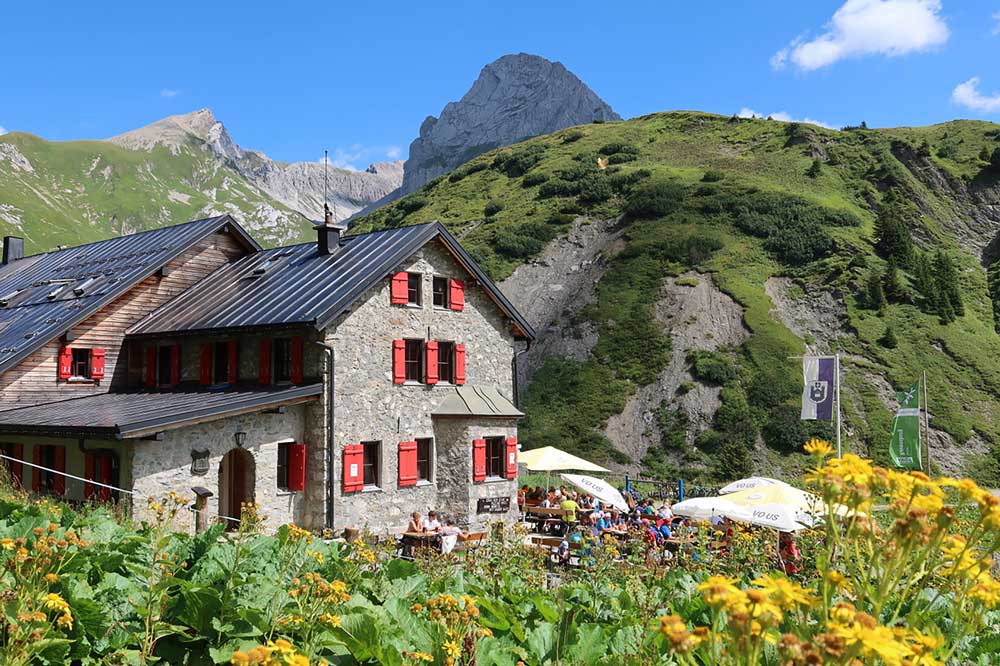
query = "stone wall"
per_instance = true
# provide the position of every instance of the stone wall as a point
(161, 466)
(369, 407)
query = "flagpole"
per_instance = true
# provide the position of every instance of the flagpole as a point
(836, 388)
(927, 425)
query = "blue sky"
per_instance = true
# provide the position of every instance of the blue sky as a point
(293, 78)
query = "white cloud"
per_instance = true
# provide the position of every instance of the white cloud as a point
(783, 116)
(3, 130)
(167, 92)
(349, 158)
(867, 27)
(967, 94)
(996, 28)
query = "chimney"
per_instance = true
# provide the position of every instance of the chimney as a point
(328, 234)
(13, 249)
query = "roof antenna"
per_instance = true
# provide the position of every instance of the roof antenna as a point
(327, 215)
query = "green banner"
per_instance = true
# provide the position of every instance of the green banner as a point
(905, 446)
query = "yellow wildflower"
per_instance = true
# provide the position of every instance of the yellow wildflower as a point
(818, 447)
(65, 621)
(7, 544)
(51, 577)
(53, 601)
(784, 592)
(452, 649)
(330, 620)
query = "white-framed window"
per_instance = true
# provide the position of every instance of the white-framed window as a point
(496, 447)
(425, 460)
(446, 362)
(372, 464)
(281, 360)
(414, 288)
(282, 466)
(415, 361)
(440, 289)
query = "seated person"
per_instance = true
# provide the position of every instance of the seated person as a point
(571, 507)
(431, 522)
(603, 522)
(450, 535)
(563, 552)
(415, 524)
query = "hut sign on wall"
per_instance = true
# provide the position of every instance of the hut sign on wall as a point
(199, 462)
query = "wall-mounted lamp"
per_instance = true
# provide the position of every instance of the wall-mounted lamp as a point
(240, 437)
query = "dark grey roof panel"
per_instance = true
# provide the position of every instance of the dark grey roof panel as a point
(129, 414)
(298, 285)
(39, 291)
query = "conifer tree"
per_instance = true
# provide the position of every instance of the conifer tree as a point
(924, 281)
(993, 287)
(892, 285)
(874, 294)
(946, 277)
(814, 170)
(888, 339)
(984, 154)
(892, 236)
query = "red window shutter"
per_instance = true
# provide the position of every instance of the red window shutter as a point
(511, 458)
(36, 478)
(297, 467)
(104, 475)
(296, 365)
(399, 289)
(59, 483)
(234, 370)
(264, 362)
(65, 363)
(89, 489)
(205, 368)
(431, 363)
(15, 466)
(456, 299)
(398, 362)
(175, 365)
(354, 468)
(97, 363)
(407, 463)
(151, 366)
(459, 364)
(479, 460)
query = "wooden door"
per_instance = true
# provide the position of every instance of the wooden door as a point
(235, 484)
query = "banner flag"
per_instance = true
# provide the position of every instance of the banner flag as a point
(905, 446)
(817, 394)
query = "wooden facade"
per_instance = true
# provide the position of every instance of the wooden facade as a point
(34, 380)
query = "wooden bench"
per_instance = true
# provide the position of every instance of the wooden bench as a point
(471, 543)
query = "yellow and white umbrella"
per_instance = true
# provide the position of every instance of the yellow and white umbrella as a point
(748, 483)
(551, 459)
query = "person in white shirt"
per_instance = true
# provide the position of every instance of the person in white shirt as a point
(431, 522)
(450, 534)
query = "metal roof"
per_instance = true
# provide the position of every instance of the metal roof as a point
(463, 401)
(42, 296)
(123, 415)
(299, 285)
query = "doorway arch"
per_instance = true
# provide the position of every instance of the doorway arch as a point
(236, 484)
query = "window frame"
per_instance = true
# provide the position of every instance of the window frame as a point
(163, 368)
(445, 292)
(46, 459)
(428, 461)
(417, 362)
(88, 363)
(224, 356)
(276, 345)
(281, 467)
(500, 444)
(414, 289)
(446, 362)
(375, 447)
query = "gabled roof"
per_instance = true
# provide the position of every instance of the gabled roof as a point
(43, 296)
(123, 415)
(297, 285)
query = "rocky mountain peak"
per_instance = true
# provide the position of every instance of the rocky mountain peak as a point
(177, 131)
(516, 97)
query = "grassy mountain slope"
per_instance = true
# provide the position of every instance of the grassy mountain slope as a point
(68, 193)
(744, 201)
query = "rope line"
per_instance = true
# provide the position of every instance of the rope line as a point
(105, 485)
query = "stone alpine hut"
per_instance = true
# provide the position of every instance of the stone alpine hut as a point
(340, 383)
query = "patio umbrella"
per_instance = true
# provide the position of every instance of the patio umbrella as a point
(748, 483)
(598, 488)
(779, 506)
(551, 459)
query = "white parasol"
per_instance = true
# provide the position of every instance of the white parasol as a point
(598, 488)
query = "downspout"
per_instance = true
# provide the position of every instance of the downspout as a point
(331, 360)
(513, 364)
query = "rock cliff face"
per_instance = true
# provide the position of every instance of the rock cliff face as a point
(515, 97)
(298, 185)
